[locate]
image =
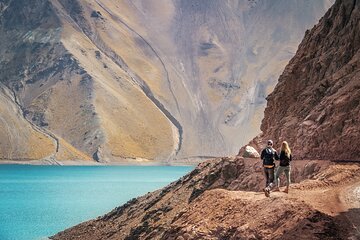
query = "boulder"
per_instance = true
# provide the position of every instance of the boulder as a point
(250, 152)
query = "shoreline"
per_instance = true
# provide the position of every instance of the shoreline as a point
(179, 162)
(44, 162)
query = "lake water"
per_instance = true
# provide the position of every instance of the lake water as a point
(39, 201)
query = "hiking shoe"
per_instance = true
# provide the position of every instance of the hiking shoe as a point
(286, 190)
(267, 192)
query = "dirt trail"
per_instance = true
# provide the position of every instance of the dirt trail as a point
(328, 206)
(335, 192)
(339, 186)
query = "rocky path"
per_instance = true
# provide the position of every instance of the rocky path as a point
(336, 193)
(327, 207)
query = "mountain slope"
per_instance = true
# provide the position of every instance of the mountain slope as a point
(216, 70)
(315, 106)
(147, 80)
(26, 145)
(34, 68)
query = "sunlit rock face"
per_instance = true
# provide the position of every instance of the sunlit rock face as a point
(315, 106)
(139, 80)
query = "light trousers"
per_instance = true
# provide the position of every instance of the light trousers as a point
(281, 170)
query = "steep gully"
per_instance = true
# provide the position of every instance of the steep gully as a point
(80, 22)
(44, 131)
(118, 19)
(146, 89)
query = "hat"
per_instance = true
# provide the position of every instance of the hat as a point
(270, 142)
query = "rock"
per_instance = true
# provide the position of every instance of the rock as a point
(97, 155)
(96, 14)
(250, 152)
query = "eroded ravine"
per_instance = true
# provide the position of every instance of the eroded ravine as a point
(36, 128)
(152, 49)
(94, 37)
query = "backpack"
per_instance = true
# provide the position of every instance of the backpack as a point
(268, 156)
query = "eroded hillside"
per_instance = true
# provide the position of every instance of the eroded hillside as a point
(144, 80)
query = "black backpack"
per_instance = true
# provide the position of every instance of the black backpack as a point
(268, 156)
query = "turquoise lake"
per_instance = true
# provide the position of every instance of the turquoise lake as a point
(39, 201)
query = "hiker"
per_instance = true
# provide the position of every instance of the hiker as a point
(285, 159)
(268, 155)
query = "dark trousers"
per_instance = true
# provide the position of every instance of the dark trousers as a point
(269, 176)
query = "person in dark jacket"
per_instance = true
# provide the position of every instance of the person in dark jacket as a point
(285, 159)
(268, 155)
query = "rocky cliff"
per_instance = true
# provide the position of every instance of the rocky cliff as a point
(315, 105)
(141, 80)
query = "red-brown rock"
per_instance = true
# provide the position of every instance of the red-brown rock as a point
(315, 105)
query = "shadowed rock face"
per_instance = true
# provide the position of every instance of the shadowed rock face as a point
(159, 80)
(315, 106)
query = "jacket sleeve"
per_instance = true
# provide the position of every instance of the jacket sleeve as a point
(276, 155)
(290, 157)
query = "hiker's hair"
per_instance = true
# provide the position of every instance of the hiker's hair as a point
(285, 147)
